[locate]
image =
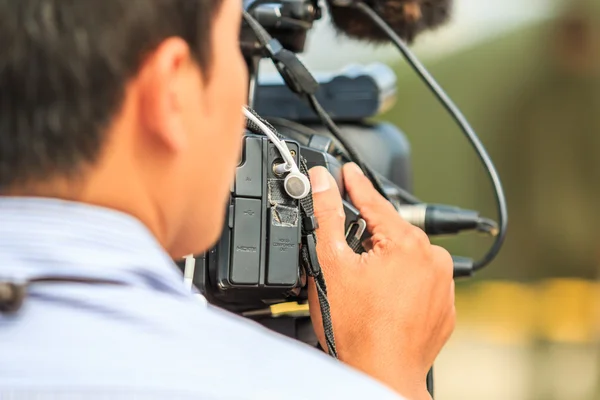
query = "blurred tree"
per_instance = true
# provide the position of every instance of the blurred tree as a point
(534, 98)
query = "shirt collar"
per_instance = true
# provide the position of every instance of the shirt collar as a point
(51, 237)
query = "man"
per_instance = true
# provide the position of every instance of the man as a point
(120, 129)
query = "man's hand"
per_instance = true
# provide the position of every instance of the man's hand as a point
(392, 308)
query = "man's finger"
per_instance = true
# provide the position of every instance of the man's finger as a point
(329, 210)
(380, 214)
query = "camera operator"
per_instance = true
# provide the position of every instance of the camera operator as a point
(120, 129)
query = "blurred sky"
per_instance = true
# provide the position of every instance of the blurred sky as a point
(473, 21)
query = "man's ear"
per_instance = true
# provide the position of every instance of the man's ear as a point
(161, 87)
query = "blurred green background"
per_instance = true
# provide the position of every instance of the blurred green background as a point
(528, 325)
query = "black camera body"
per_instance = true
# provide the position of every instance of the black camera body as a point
(256, 259)
(256, 262)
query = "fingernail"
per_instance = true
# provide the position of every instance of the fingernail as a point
(319, 179)
(355, 168)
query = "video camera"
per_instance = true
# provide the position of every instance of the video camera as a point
(256, 262)
(314, 121)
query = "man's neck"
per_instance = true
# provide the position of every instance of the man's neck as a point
(76, 190)
(59, 188)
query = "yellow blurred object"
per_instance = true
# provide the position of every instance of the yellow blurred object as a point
(505, 312)
(556, 310)
(568, 311)
(289, 309)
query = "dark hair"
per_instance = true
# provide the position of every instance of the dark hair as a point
(64, 65)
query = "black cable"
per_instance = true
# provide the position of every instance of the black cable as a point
(460, 120)
(404, 195)
(335, 131)
(261, 33)
(301, 133)
(263, 37)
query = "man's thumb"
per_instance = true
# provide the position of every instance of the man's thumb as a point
(329, 210)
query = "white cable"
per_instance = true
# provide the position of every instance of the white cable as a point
(281, 145)
(296, 183)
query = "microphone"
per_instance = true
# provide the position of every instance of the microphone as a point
(407, 18)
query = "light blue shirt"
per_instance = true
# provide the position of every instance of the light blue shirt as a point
(148, 339)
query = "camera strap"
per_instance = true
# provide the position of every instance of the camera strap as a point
(354, 236)
(312, 265)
